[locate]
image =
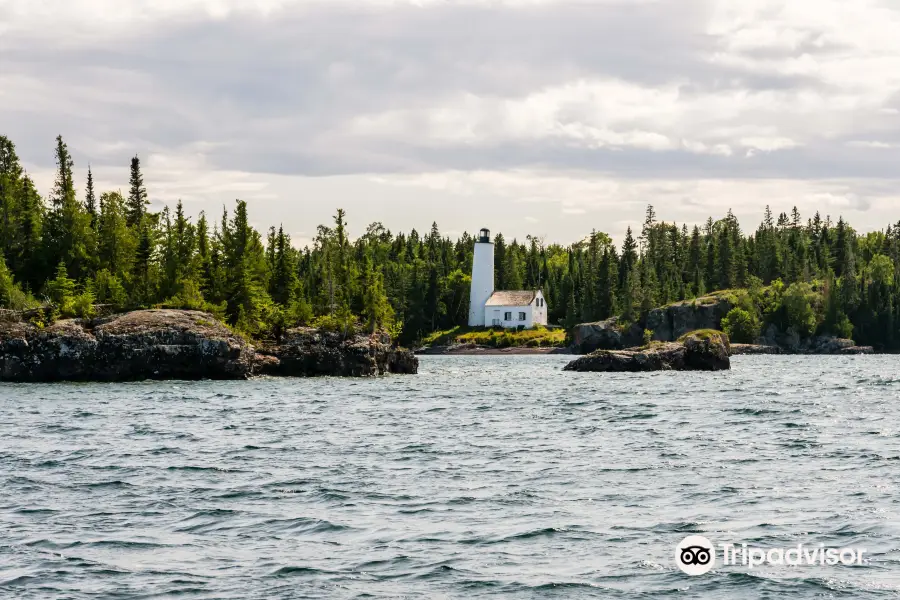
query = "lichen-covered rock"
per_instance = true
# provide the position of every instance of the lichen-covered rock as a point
(307, 352)
(698, 351)
(144, 344)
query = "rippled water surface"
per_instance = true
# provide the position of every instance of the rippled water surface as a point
(481, 477)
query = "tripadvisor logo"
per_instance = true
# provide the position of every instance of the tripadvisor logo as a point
(695, 555)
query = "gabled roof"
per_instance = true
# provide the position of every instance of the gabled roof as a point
(511, 298)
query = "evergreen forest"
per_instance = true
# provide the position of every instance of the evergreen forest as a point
(79, 247)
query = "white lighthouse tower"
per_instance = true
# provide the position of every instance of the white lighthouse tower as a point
(482, 278)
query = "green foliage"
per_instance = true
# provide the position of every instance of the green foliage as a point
(11, 295)
(83, 305)
(299, 313)
(703, 334)
(109, 289)
(504, 341)
(341, 321)
(188, 297)
(741, 326)
(802, 308)
(881, 270)
(843, 327)
(61, 291)
(377, 310)
(648, 337)
(536, 337)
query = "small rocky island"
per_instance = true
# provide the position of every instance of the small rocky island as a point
(183, 344)
(705, 350)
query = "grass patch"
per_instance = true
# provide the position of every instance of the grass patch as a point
(538, 337)
(704, 334)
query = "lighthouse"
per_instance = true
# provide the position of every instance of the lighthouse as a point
(510, 309)
(482, 278)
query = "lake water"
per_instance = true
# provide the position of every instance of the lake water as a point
(483, 477)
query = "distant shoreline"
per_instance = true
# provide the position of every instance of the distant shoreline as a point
(469, 350)
(736, 350)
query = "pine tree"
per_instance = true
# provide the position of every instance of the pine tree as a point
(500, 263)
(11, 174)
(137, 195)
(70, 238)
(629, 258)
(711, 275)
(377, 310)
(609, 271)
(61, 290)
(116, 243)
(90, 199)
(284, 278)
(142, 285)
(727, 259)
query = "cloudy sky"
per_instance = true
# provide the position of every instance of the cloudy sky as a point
(526, 116)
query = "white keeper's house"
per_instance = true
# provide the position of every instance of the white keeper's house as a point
(491, 308)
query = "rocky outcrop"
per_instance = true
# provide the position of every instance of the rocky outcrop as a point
(698, 351)
(858, 350)
(671, 322)
(814, 345)
(605, 335)
(182, 344)
(792, 343)
(146, 344)
(744, 349)
(307, 352)
(666, 324)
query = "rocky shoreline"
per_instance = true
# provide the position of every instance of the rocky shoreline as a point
(842, 348)
(480, 350)
(183, 344)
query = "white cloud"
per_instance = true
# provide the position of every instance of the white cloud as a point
(414, 110)
(873, 144)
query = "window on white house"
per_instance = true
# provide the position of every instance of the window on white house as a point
(507, 316)
(521, 316)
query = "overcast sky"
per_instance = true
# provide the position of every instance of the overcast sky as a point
(524, 116)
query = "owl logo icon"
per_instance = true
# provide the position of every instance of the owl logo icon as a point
(695, 555)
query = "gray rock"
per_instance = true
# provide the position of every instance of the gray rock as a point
(604, 335)
(858, 350)
(739, 349)
(660, 323)
(831, 345)
(183, 344)
(147, 344)
(695, 352)
(307, 352)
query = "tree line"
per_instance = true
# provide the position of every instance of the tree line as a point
(80, 247)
